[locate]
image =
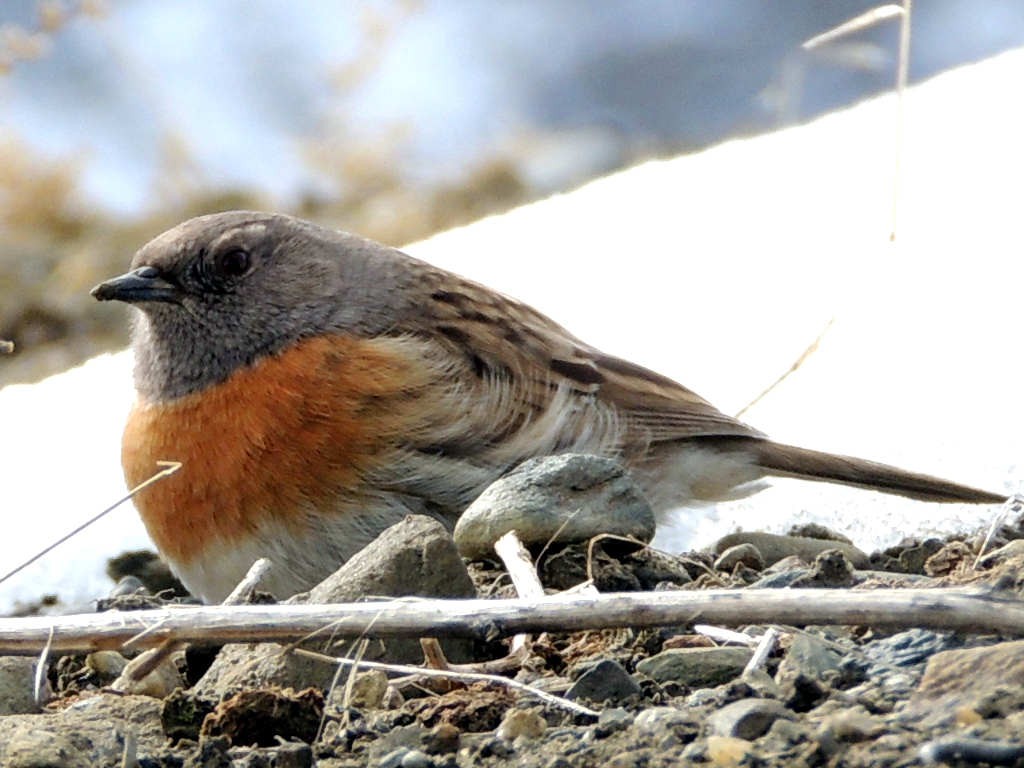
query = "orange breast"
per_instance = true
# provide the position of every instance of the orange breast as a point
(287, 434)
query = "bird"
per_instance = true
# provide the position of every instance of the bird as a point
(318, 387)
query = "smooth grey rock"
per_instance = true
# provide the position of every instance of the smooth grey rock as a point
(696, 666)
(746, 718)
(414, 557)
(603, 681)
(774, 547)
(17, 685)
(573, 497)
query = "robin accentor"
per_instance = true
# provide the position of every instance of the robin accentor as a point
(318, 387)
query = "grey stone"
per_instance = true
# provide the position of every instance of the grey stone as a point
(88, 733)
(414, 557)
(746, 718)
(774, 547)
(695, 666)
(746, 554)
(964, 680)
(809, 656)
(17, 685)
(657, 721)
(613, 720)
(571, 497)
(603, 681)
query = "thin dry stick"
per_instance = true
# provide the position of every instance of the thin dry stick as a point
(957, 609)
(169, 468)
(1013, 505)
(856, 24)
(811, 349)
(524, 578)
(901, 88)
(722, 635)
(37, 691)
(763, 651)
(466, 677)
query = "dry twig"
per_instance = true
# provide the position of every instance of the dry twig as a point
(958, 609)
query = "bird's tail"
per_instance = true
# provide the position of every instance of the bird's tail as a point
(790, 461)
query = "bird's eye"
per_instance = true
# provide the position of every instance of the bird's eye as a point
(234, 262)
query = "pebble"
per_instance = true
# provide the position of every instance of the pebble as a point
(746, 718)
(696, 666)
(741, 554)
(774, 547)
(17, 685)
(569, 497)
(521, 723)
(605, 680)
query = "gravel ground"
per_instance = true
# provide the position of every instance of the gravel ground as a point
(827, 695)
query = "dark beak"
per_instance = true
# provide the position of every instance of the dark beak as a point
(139, 285)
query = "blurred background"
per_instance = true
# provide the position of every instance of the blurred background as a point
(394, 119)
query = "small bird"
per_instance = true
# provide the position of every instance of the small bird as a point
(318, 387)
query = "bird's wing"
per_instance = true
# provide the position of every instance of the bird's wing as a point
(525, 363)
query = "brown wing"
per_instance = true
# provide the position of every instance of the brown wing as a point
(495, 333)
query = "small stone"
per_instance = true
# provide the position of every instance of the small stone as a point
(128, 585)
(568, 498)
(949, 558)
(367, 691)
(746, 718)
(741, 554)
(774, 547)
(293, 754)
(521, 723)
(158, 682)
(441, 739)
(912, 559)
(830, 569)
(850, 725)
(107, 664)
(727, 750)
(416, 759)
(809, 656)
(966, 678)
(696, 666)
(604, 681)
(612, 721)
(394, 758)
(660, 720)
(17, 685)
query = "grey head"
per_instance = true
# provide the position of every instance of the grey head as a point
(219, 292)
